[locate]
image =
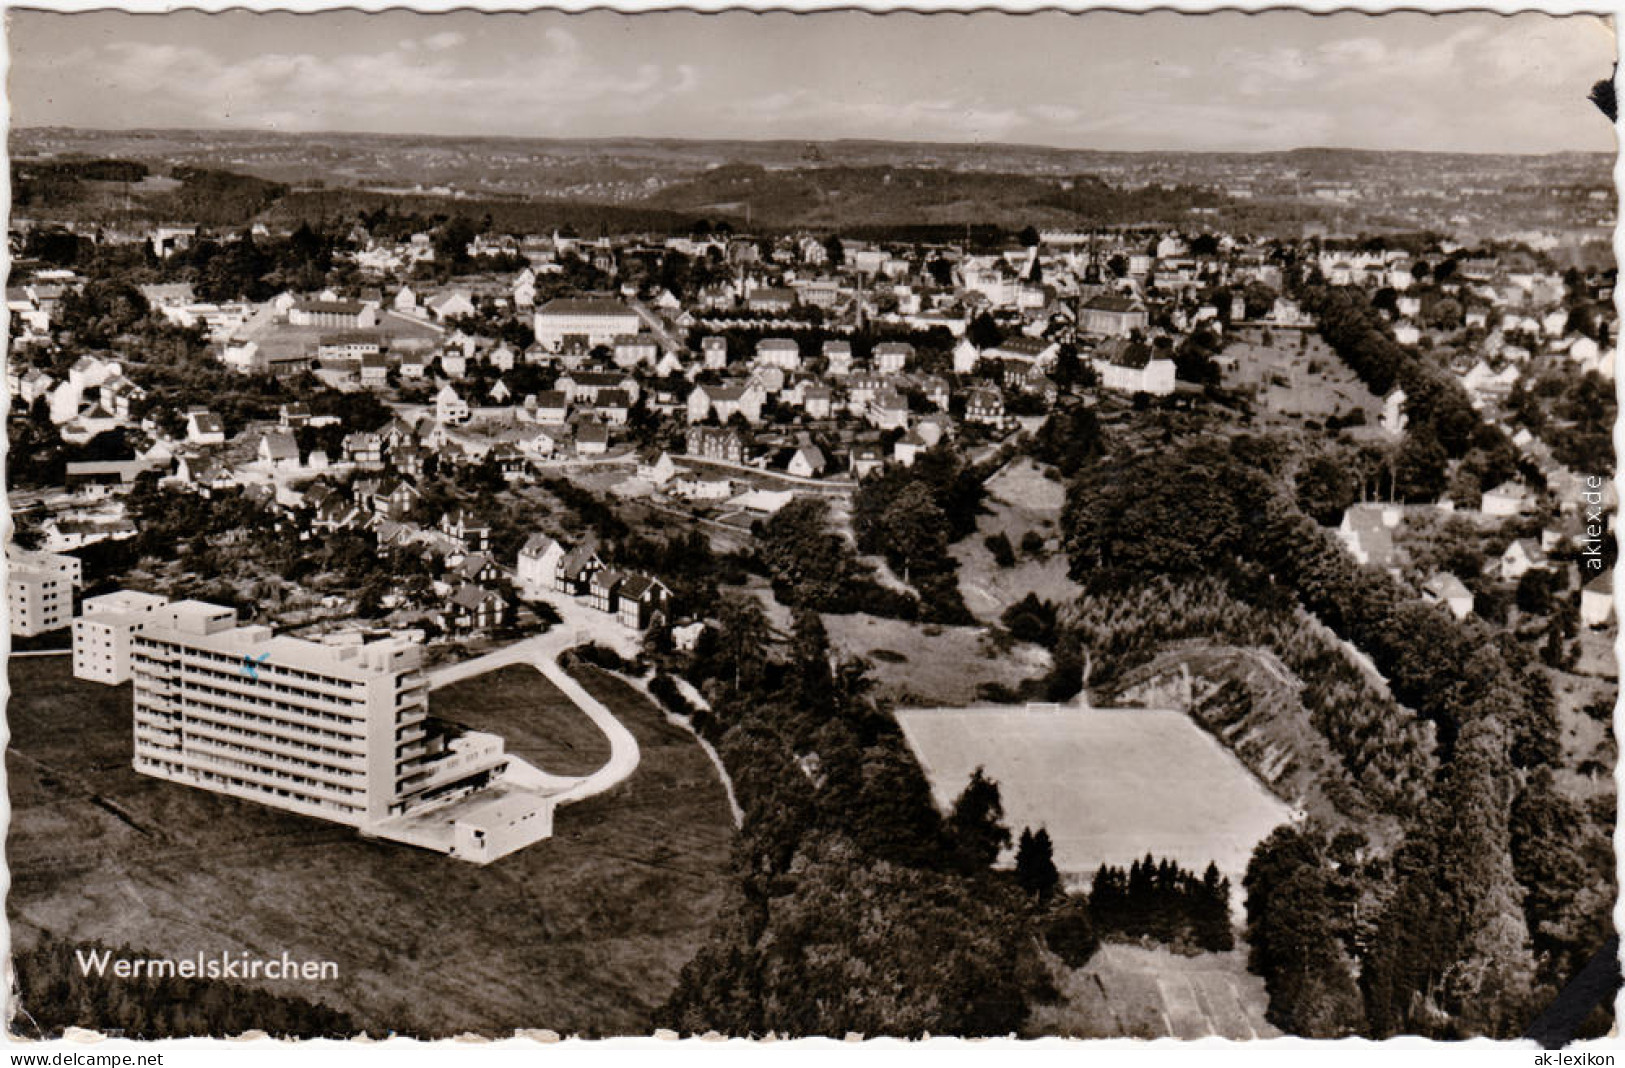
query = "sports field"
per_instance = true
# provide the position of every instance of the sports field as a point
(1110, 785)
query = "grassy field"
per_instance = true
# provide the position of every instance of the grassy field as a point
(1134, 992)
(571, 745)
(1020, 499)
(1310, 382)
(1109, 785)
(921, 664)
(584, 933)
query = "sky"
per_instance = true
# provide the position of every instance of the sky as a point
(1468, 82)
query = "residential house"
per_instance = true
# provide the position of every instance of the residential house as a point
(469, 531)
(808, 461)
(726, 401)
(592, 439)
(278, 450)
(888, 410)
(1112, 315)
(537, 567)
(1597, 600)
(472, 609)
(577, 568)
(985, 406)
(1134, 367)
(602, 589)
(1521, 557)
(552, 406)
(641, 598)
(865, 458)
(1367, 530)
(1448, 590)
(908, 447)
(818, 402)
(717, 443)
(838, 357)
(714, 353)
(782, 353)
(449, 407)
(633, 350)
(203, 427)
(893, 357)
(1507, 499)
(613, 407)
(395, 499)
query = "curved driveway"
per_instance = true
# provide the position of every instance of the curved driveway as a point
(542, 653)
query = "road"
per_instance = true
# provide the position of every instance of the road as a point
(657, 326)
(542, 653)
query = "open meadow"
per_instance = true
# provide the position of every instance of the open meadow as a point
(1110, 786)
(1137, 992)
(583, 933)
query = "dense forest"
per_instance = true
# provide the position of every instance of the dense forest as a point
(1450, 933)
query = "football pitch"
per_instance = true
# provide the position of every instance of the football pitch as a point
(1110, 785)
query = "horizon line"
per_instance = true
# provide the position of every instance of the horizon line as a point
(701, 140)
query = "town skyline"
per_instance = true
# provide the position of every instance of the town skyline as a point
(1226, 82)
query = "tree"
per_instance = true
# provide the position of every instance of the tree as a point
(999, 545)
(1070, 934)
(1035, 865)
(743, 639)
(1028, 237)
(984, 333)
(834, 251)
(976, 826)
(914, 530)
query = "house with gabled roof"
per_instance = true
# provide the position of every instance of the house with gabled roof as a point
(577, 567)
(1521, 557)
(1368, 531)
(203, 427)
(1597, 600)
(536, 570)
(640, 598)
(1448, 590)
(467, 529)
(472, 609)
(808, 461)
(278, 450)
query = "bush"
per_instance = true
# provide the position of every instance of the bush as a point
(1070, 935)
(603, 657)
(999, 545)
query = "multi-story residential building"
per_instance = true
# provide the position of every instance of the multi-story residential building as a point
(342, 314)
(334, 731)
(779, 352)
(102, 631)
(588, 321)
(39, 590)
(716, 443)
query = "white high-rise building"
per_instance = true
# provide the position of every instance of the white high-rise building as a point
(39, 590)
(102, 630)
(335, 731)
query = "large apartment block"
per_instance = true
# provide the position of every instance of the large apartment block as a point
(335, 731)
(102, 630)
(39, 590)
(585, 320)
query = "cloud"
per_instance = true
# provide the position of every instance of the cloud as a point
(416, 79)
